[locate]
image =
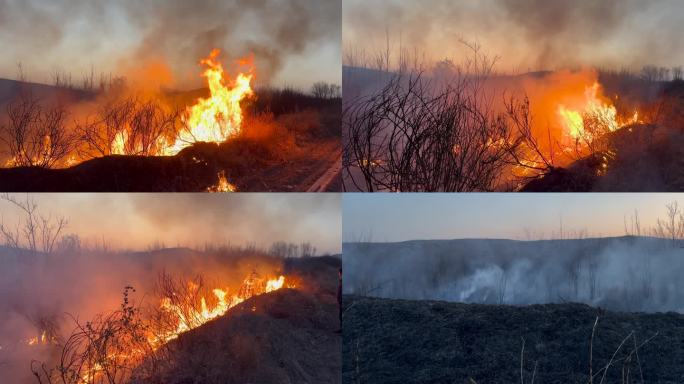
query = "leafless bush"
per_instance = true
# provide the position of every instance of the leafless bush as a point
(672, 226)
(112, 348)
(440, 132)
(149, 123)
(36, 136)
(409, 137)
(596, 126)
(36, 233)
(284, 249)
(61, 79)
(111, 121)
(128, 126)
(325, 90)
(182, 305)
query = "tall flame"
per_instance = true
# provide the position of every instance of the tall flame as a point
(219, 116)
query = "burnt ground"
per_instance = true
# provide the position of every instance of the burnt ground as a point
(286, 336)
(648, 157)
(402, 341)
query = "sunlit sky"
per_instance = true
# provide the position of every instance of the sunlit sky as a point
(408, 216)
(136, 221)
(294, 42)
(524, 34)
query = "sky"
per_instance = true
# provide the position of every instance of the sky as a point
(409, 216)
(524, 34)
(136, 221)
(294, 42)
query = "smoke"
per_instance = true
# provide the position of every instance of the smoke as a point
(258, 217)
(80, 279)
(121, 36)
(135, 221)
(525, 34)
(628, 273)
(50, 291)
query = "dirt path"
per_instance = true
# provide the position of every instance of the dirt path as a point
(328, 175)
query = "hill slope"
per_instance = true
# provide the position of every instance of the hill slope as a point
(286, 336)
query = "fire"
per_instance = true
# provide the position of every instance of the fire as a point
(118, 146)
(42, 339)
(214, 119)
(223, 184)
(188, 316)
(218, 117)
(593, 118)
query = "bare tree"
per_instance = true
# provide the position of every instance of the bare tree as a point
(677, 73)
(672, 226)
(36, 233)
(633, 227)
(21, 75)
(323, 90)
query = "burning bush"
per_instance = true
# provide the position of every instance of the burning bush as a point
(128, 127)
(35, 135)
(443, 134)
(132, 343)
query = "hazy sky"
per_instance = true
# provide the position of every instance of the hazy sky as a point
(525, 34)
(294, 42)
(135, 221)
(408, 216)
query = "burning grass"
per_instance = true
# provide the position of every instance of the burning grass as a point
(138, 341)
(288, 125)
(465, 127)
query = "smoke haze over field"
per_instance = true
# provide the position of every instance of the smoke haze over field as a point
(136, 221)
(401, 246)
(233, 236)
(626, 273)
(294, 42)
(526, 34)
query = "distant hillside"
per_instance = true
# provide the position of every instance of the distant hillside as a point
(399, 341)
(622, 273)
(12, 89)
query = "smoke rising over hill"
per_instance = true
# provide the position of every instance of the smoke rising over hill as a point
(528, 34)
(624, 273)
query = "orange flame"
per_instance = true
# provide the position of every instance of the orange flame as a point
(214, 119)
(190, 318)
(573, 119)
(43, 339)
(218, 117)
(223, 184)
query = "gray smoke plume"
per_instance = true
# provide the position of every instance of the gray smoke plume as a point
(535, 34)
(626, 273)
(176, 32)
